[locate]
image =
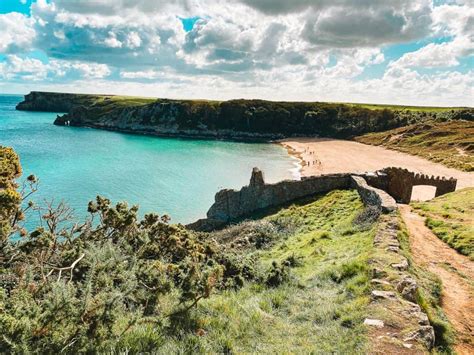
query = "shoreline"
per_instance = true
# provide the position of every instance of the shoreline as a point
(299, 162)
(331, 156)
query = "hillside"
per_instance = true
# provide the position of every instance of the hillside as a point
(450, 143)
(234, 119)
(326, 274)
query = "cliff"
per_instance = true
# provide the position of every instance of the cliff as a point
(234, 119)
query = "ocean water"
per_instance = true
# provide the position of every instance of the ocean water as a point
(173, 176)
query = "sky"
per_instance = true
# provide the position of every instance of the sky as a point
(412, 52)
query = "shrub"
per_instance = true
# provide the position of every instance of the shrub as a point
(278, 274)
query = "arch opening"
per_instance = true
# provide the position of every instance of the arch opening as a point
(423, 193)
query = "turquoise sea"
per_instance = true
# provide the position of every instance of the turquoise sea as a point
(173, 176)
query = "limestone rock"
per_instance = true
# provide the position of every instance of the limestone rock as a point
(374, 322)
(402, 265)
(376, 294)
(378, 273)
(408, 288)
(424, 334)
(379, 282)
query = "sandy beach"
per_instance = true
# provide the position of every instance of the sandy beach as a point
(325, 156)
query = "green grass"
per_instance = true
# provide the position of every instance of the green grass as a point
(449, 143)
(406, 108)
(429, 297)
(320, 311)
(451, 218)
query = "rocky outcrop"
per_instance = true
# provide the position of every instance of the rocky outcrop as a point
(234, 119)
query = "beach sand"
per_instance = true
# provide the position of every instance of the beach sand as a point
(326, 156)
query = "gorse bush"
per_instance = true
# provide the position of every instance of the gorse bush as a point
(100, 285)
(82, 288)
(118, 283)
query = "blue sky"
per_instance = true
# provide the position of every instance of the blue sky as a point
(408, 52)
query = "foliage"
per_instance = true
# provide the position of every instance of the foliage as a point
(244, 117)
(10, 199)
(308, 312)
(450, 143)
(82, 288)
(451, 218)
(116, 283)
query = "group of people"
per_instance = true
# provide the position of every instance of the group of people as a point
(311, 162)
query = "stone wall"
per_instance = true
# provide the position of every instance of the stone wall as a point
(399, 183)
(373, 196)
(232, 205)
(394, 311)
(381, 189)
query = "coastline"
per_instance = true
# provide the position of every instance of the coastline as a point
(318, 156)
(292, 152)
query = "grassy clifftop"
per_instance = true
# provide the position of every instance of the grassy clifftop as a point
(239, 119)
(451, 217)
(450, 143)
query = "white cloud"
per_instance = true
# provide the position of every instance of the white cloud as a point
(16, 68)
(26, 68)
(92, 70)
(437, 55)
(148, 74)
(452, 21)
(112, 41)
(133, 40)
(279, 49)
(16, 32)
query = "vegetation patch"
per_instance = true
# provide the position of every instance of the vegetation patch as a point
(451, 218)
(429, 297)
(294, 281)
(320, 302)
(450, 143)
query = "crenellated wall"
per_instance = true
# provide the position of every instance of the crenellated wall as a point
(380, 189)
(399, 183)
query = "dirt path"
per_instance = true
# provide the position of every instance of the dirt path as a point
(327, 156)
(456, 272)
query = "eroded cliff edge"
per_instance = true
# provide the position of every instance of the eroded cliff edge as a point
(234, 119)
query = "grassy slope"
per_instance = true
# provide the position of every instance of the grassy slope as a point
(123, 100)
(450, 143)
(451, 217)
(320, 312)
(405, 108)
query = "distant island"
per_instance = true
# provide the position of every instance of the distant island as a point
(249, 120)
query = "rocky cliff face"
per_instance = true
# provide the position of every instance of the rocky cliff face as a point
(239, 119)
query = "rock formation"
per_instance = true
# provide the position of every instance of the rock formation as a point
(234, 119)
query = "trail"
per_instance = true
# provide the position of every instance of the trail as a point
(456, 272)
